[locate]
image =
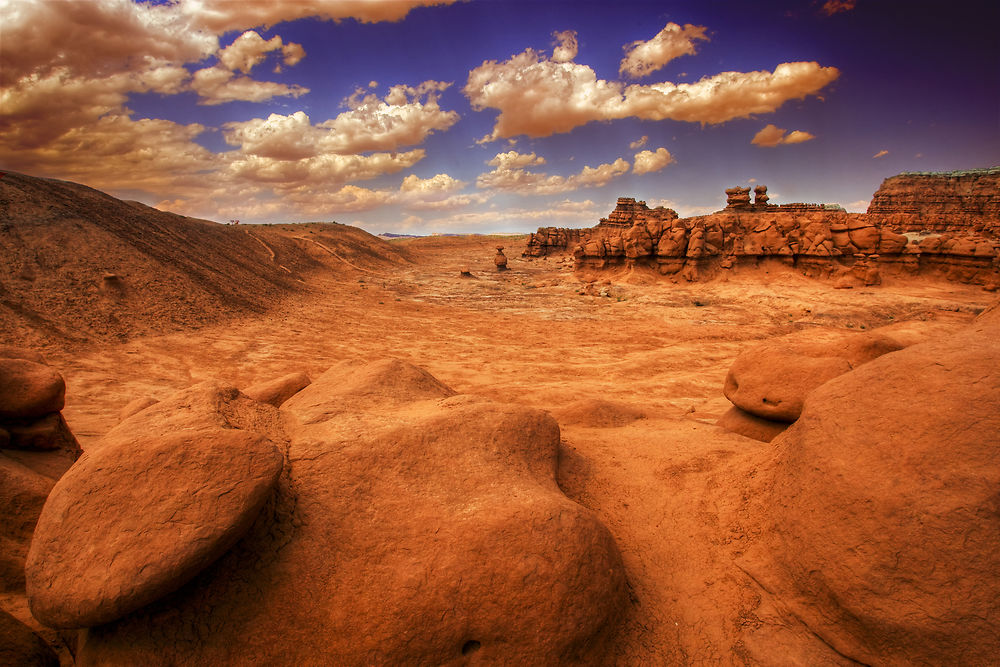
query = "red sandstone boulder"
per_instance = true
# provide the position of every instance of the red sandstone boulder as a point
(29, 389)
(598, 413)
(883, 526)
(411, 527)
(772, 379)
(128, 524)
(278, 391)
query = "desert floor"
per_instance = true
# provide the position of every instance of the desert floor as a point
(672, 487)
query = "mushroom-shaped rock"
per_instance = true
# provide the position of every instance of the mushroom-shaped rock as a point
(772, 379)
(278, 391)
(883, 523)
(128, 524)
(29, 389)
(417, 528)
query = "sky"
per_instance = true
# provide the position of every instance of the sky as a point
(484, 116)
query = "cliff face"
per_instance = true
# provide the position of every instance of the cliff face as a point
(957, 201)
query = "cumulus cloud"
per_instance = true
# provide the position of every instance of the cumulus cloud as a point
(881, 153)
(537, 96)
(370, 124)
(643, 58)
(218, 85)
(646, 162)
(639, 143)
(250, 49)
(831, 7)
(220, 16)
(511, 175)
(566, 46)
(771, 135)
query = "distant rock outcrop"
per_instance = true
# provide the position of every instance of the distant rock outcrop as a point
(409, 525)
(818, 240)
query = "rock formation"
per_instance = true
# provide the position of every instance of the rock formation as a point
(818, 240)
(20, 646)
(500, 259)
(962, 202)
(882, 528)
(409, 526)
(278, 391)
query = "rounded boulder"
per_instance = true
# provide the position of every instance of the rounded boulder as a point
(103, 548)
(29, 389)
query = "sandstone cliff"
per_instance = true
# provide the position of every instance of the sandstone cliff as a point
(956, 201)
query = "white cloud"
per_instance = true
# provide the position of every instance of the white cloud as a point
(644, 58)
(646, 162)
(222, 16)
(370, 124)
(511, 175)
(515, 160)
(218, 85)
(249, 50)
(639, 143)
(537, 96)
(771, 135)
(566, 46)
(881, 153)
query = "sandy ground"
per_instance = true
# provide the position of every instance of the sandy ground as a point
(672, 487)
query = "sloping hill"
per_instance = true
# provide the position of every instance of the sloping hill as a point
(78, 264)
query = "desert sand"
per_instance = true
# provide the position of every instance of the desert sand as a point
(632, 372)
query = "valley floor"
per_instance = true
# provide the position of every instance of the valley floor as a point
(672, 487)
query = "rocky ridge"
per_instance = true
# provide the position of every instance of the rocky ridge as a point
(819, 240)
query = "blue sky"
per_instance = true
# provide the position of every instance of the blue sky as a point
(425, 116)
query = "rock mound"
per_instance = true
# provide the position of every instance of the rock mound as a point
(750, 425)
(411, 526)
(78, 264)
(883, 519)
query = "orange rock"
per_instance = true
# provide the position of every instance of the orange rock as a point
(278, 391)
(29, 389)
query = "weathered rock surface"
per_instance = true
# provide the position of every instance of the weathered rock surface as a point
(750, 425)
(15, 352)
(21, 647)
(883, 523)
(598, 413)
(29, 389)
(128, 524)
(411, 527)
(959, 201)
(136, 406)
(772, 379)
(278, 391)
(22, 494)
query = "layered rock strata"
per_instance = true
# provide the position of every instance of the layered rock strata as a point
(959, 202)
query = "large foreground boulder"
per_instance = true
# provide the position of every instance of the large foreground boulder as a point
(883, 518)
(410, 526)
